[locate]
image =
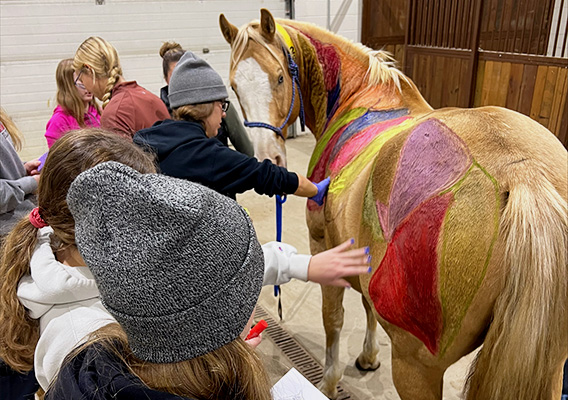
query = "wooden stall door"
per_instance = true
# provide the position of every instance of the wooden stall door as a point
(470, 53)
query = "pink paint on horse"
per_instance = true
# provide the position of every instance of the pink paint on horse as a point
(354, 146)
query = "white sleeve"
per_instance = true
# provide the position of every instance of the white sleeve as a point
(282, 263)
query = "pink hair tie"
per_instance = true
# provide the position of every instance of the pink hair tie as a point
(36, 219)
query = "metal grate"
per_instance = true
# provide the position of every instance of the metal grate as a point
(295, 352)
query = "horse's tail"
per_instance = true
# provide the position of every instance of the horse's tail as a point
(527, 341)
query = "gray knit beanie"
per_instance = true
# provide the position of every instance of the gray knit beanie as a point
(194, 81)
(177, 264)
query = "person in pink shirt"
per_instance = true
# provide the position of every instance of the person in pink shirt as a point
(76, 106)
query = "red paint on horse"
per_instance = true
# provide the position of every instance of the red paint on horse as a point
(329, 60)
(404, 288)
(320, 169)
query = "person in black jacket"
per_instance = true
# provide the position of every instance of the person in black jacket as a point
(183, 147)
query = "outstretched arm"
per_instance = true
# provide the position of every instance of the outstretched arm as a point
(282, 263)
(306, 188)
(331, 266)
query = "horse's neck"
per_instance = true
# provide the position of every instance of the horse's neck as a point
(334, 81)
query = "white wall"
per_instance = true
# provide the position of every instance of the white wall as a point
(559, 27)
(343, 16)
(36, 35)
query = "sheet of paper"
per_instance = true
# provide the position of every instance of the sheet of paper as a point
(293, 386)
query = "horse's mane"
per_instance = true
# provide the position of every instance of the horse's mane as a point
(381, 65)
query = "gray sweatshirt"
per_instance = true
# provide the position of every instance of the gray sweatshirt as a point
(16, 188)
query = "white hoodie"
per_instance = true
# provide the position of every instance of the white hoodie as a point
(66, 299)
(66, 302)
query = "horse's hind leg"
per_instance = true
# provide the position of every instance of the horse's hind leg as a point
(332, 309)
(368, 360)
(558, 379)
(413, 379)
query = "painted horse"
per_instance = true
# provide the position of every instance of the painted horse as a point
(465, 211)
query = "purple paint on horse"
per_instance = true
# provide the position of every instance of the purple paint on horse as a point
(432, 160)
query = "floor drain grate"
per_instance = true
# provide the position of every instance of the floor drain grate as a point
(298, 356)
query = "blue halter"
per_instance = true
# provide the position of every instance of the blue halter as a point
(293, 69)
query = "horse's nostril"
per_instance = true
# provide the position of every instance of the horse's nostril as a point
(278, 160)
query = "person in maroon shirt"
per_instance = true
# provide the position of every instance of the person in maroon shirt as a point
(127, 107)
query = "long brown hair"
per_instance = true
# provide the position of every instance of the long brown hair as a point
(102, 58)
(12, 129)
(67, 94)
(233, 371)
(75, 152)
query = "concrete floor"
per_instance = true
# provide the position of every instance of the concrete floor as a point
(302, 301)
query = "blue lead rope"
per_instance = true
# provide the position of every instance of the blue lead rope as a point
(279, 201)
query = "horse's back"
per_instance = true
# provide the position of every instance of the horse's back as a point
(499, 138)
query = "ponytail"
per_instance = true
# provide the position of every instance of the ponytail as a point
(74, 153)
(18, 332)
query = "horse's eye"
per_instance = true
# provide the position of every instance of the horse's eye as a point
(280, 79)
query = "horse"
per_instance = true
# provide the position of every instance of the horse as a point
(464, 211)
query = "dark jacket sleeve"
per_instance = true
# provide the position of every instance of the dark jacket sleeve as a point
(237, 173)
(210, 163)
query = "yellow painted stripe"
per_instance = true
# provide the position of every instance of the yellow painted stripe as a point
(287, 39)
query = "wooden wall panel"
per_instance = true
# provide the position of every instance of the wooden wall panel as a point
(479, 83)
(560, 93)
(537, 91)
(514, 89)
(547, 96)
(562, 130)
(503, 85)
(442, 80)
(527, 88)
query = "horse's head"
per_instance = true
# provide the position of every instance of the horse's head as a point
(261, 79)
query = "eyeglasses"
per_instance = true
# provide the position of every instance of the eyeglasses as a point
(79, 84)
(225, 105)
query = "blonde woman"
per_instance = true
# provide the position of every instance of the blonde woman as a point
(76, 107)
(127, 107)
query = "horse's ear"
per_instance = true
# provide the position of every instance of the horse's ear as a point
(267, 24)
(229, 30)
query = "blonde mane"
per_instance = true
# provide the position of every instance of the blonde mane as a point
(248, 32)
(381, 65)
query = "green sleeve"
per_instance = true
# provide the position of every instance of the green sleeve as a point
(237, 133)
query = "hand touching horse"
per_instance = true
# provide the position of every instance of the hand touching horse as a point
(465, 211)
